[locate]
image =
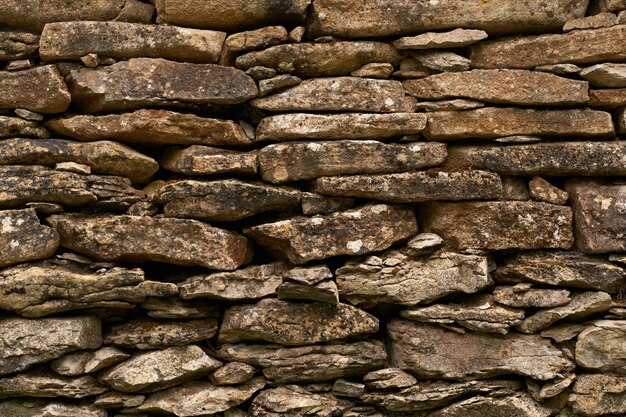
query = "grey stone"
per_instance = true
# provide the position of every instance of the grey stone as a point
(596, 395)
(441, 60)
(521, 405)
(388, 378)
(40, 408)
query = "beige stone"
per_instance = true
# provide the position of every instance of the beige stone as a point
(542, 190)
(596, 395)
(23, 238)
(257, 39)
(17, 45)
(42, 383)
(205, 160)
(600, 347)
(457, 38)
(15, 126)
(605, 75)
(600, 20)
(40, 89)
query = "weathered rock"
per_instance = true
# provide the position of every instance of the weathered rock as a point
(542, 190)
(47, 384)
(355, 232)
(293, 324)
(232, 373)
(577, 47)
(607, 6)
(114, 399)
(325, 291)
(344, 388)
(500, 224)
(152, 127)
(274, 84)
(600, 224)
(132, 238)
(596, 395)
(441, 61)
(352, 94)
(393, 277)
(563, 332)
(389, 378)
(296, 161)
(600, 20)
(17, 45)
(233, 16)
(320, 59)
(349, 18)
(313, 204)
(600, 347)
(23, 238)
(73, 40)
(27, 342)
(492, 123)
(159, 369)
(457, 38)
(514, 188)
(199, 398)
(411, 68)
(560, 69)
(205, 160)
(247, 283)
(146, 82)
(86, 362)
(153, 334)
(309, 275)
(380, 70)
(15, 126)
(257, 39)
(317, 363)
(501, 87)
(432, 352)
(609, 98)
(523, 295)
(40, 89)
(414, 186)
(295, 402)
(448, 105)
(622, 121)
(175, 308)
(298, 126)
(521, 405)
(605, 75)
(104, 157)
(39, 408)
(581, 305)
(223, 200)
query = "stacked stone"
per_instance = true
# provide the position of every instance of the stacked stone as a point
(312, 208)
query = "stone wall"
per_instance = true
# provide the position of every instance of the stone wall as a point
(299, 208)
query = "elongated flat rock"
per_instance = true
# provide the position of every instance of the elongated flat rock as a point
(86, 362)
(298, 126)
(397, 278)
(414, 186)
(155, 334)
(597, 395)
(519, 405)
(500, 225)
(17, 45)
(152, 127)
(524, 295)
(352, 18)
(320, 59)
(40, 89)
(523, 88)
(457, 38)
(576, 47)
(549, 159)
(295, 401)
(104, 157)
(42, 408)
(146, 82)
(11, 127)
(206, 160)
(317, 363)
(295, 161)
(232, 16)
(42, 383)
(294, 324)
(600, 347)
(605, 75)
(347, 94)
(432, 352)
(62, 41)
(23, 238)
(354, 232)
(132, 238)
(492, 123)
(28, 342)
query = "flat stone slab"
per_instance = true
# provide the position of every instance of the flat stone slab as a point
(296, 161)
(145, 334)
(23, 238)
(206, 160)
(597, 395)
(256, 39)
(147, 82)
(354, 232)
(524, 295)
(416, 186)
(605, 75)
(600, 347)
(154, 127)
(43, 383)
(11, 127)
(500, 225)
(576, 47)
(16, 45)
(86, 362)
(523, 88)
(295, 401)
(41, 408)
(457, 38)
(40, 89)
(522, 405)
(432, 352)
(63, 41)
(133, 238)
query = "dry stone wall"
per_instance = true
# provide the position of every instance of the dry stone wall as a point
(312, 208)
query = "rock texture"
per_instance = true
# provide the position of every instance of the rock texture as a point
(23, 238)
(47, 93)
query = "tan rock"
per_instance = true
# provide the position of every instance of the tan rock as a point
(600, 346)
(542, 190)
(388, 378)
(325, 291)
(296, 402)
(521, 405)
(523, 295)
(559, 69)
(205, 160)
(40, 89)
(500, 225)
(313, 204)
(354, 232)
(457, 38)
(351, 94)
(600, 20)
(114, 399)
(71, 40)
(136, 11)
(15, 126)
(17, 45)
(448, 105)
(132, 238)
(277, 83)
(380, 70)
(146, 82)
(257, 39)
(607, 6)
(605, 75)
(41, 383)
(622, 121)
(609, 98)
(23, 238)
(232, 373)
(86, 362)
(596, 395)
(176, 308)
(577, 47)
(36, 408)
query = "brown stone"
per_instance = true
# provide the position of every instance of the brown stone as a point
(146, 82)
(605, 75)
(457, 38)
(609, 98)
(233, 373)
(36, 408)
(577, 47)
(257, 39)
(176, 308)
(600, 347)
(14, 126)
(597, 395)
(448, 105)
(40, 89)
(132, 238)
(42, 383)
(154, 334)
(542, 190)
(354, 232)
(63, 41)
(277, 83)
(523, 295)
(114, 399)
(500, 225)
(519, 405)
(313, 204)
(23, 238)
(152, 127)
(600, 20)
(17, 45)
(205, 160)
(524, 88)
(85, 362)
(295, 401)
(437, 61)
(380, 70)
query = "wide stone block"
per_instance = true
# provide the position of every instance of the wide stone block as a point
(23, 238)
(40, 89)
(11, 127)
(598, 395)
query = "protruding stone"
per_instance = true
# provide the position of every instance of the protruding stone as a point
(205, 160)
(310, 275)
(457, 38)
(296, 402)
(379, 70)
(17, 45)
(62, 41)
(132, 238)
(600, 20)
(448, 105)
(351, 94)
(325, 291)
(154, 334)
(37, 408)
(48, 384)
(294, 324)
(419, 348)
(23, 238)
(542, 190)
(40, 89)
(523, 295)
(500, 225)
(257, 39)
(605, 75)
(389, 378)
(232, 373)
(296, 161)
(559, 69)
(146, 82)
(441, 61)
(354, 232)
(598, 395)
(521, 405)
(86, 362)
(600, 347)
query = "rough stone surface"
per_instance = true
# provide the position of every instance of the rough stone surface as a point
(596, 395)
(17, 45)
(523, 295)
(607, 98)
(600, 20)
(154, 334)
(47, 92)
(295, 401)
(456, 38)
(39, 408)
(232, 373)
(521, 405)
(205, 160)
(605, 75)
(600, 347)
(257, 39)
(542, 190)
(389, 378)
(49, 385)
(15, 126)
(23, 238)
